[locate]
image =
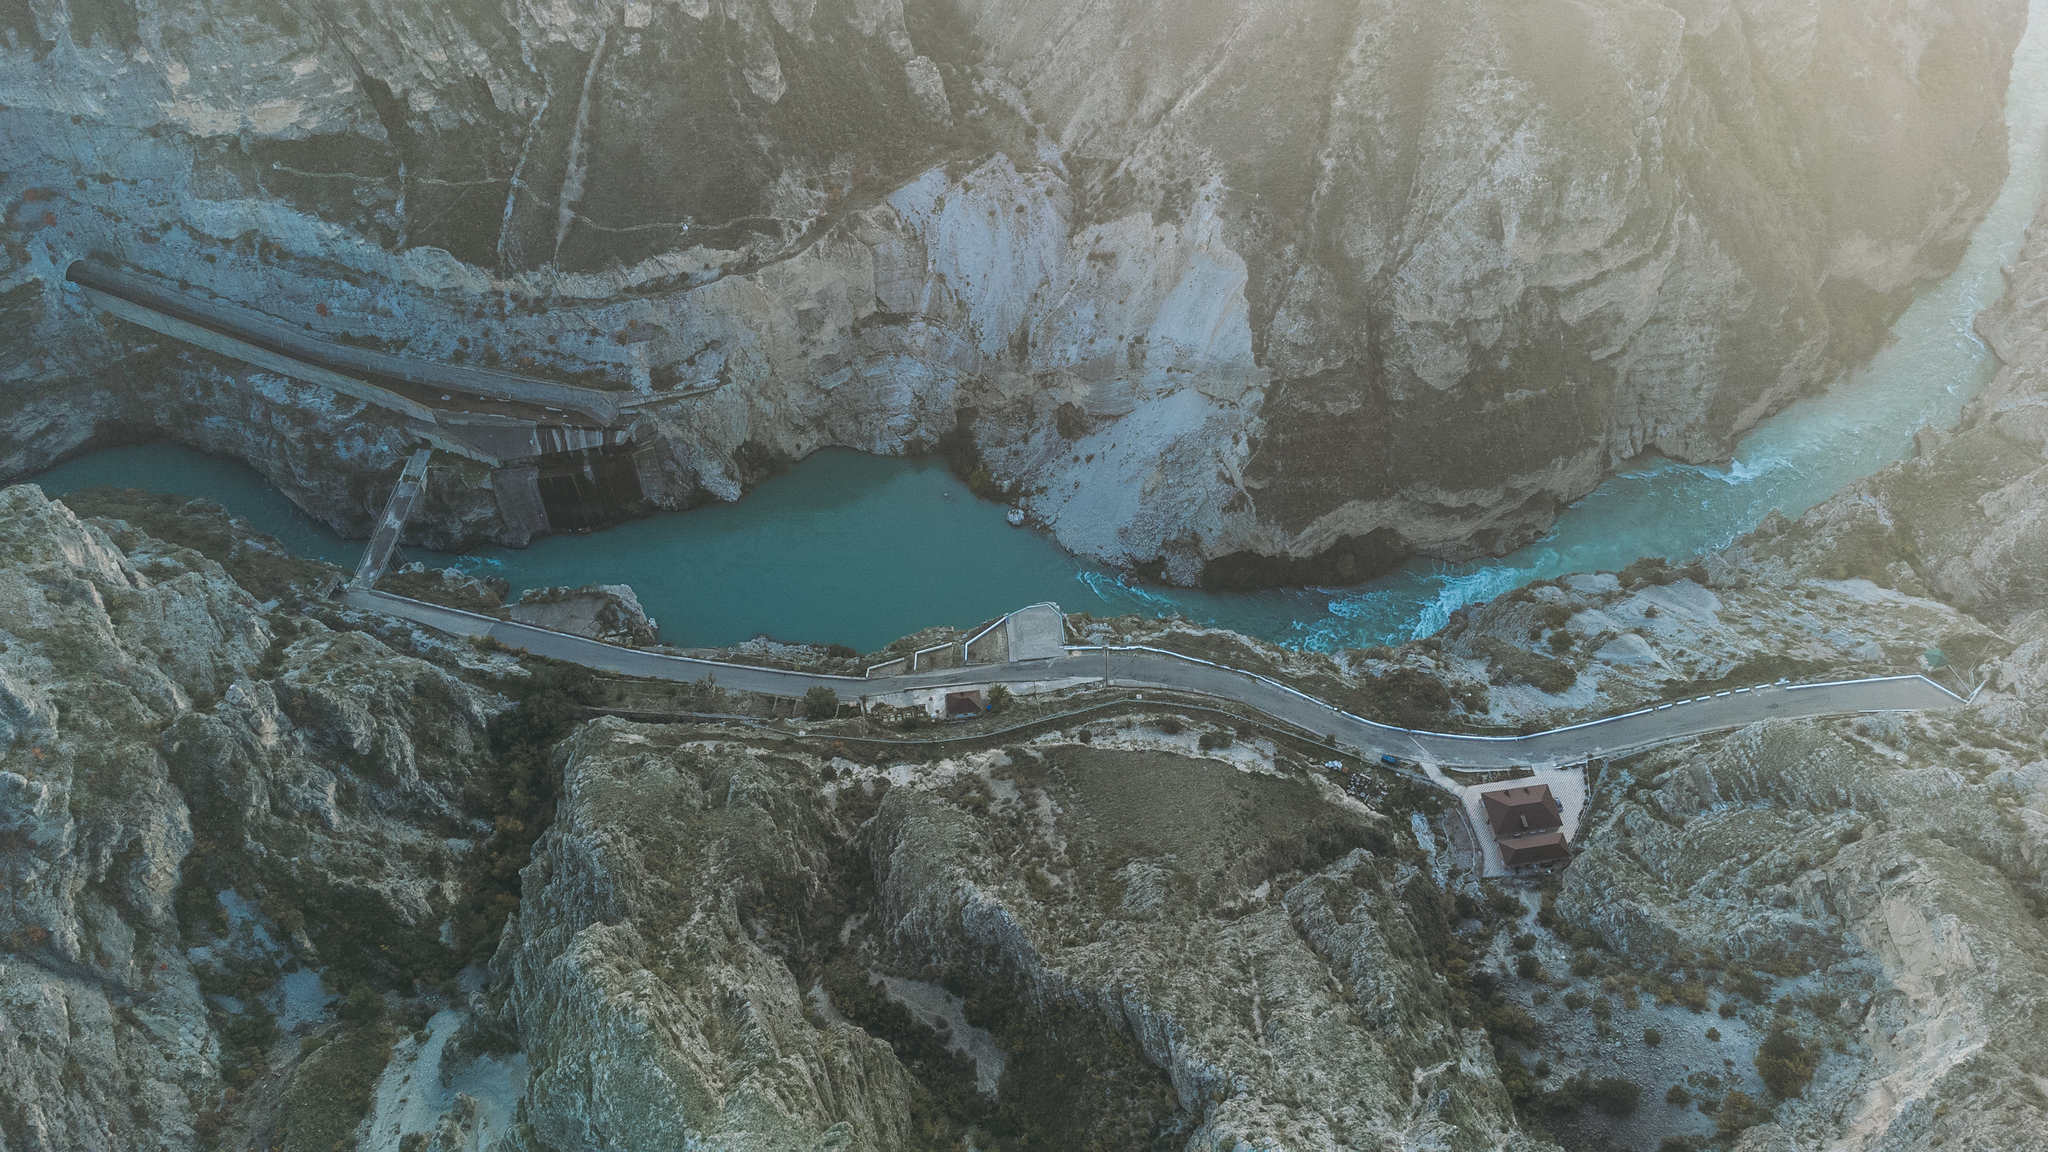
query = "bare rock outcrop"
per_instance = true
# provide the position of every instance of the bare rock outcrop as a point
(719, 935)
(609, 612)
(182, 777)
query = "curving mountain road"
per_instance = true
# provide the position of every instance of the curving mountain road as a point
(1153, 668)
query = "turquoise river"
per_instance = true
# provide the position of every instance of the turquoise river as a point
(858, 550)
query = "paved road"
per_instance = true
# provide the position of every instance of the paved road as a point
(1148, 668)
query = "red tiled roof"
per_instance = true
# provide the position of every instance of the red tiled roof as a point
(1514, 811)
(1535, 849)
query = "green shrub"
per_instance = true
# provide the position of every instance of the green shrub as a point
(1503, 1020)
(1762, 670)
(1172, 725)
(1652, 1037)
(1657, 570)
(1527, 968)
(245, 1042)
(945, 1080)
(1406, 697)
(364, 1006)
(1785, 1063)
(999, 698)
(1212, 741)
(1738, 1113)
(1749, 985)
(1523, 941)
(821, 703)
(1509, 663)
(431, 587)
(1678, 1096)
(1038, 884)
(332, 1090)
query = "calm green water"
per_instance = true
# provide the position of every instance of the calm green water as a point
(859, 550)
(846, 548)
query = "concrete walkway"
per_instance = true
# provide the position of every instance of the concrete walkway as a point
(1152, 668)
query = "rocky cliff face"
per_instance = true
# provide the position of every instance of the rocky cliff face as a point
(1964, 518)
(1206, 288)
(720, 934)
(193, 794)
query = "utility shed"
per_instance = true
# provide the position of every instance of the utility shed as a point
(1521, 811)
(966, 703)
(1537, 849)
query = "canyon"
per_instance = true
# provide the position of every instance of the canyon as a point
(1208, 318)
(249, 902)
(1221, 295)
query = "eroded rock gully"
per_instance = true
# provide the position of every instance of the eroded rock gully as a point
(1256, 293)
(1230, 963)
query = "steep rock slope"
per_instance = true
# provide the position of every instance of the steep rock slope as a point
(1967, 518)
(194, 795)
(1872, 889)
(720, 933)
(1261, 280)
(1488, 250)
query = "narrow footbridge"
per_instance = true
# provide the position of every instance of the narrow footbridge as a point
(1133, 667)
(397, 511)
